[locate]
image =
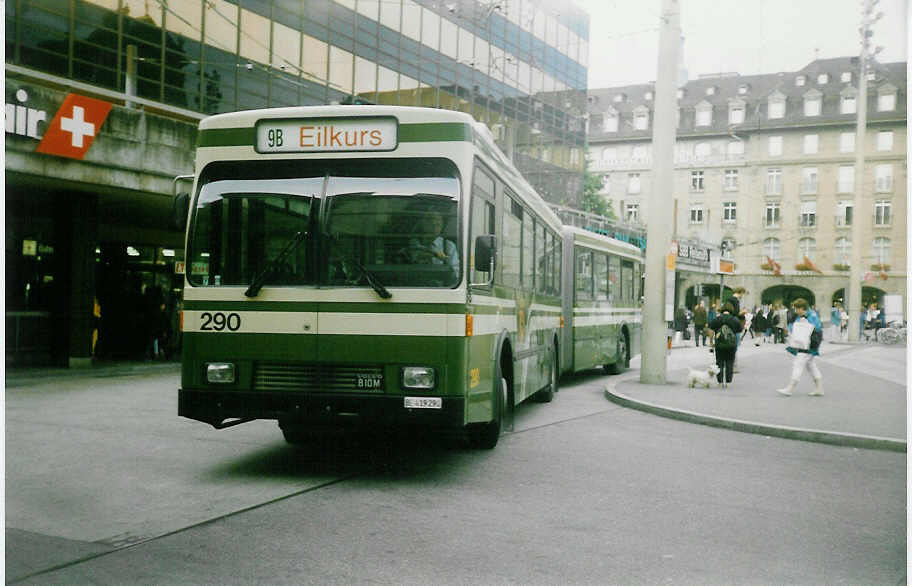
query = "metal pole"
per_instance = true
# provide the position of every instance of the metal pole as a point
(658, 236)
(130, 80)
(860, 214)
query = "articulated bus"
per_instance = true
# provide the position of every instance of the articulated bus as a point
(603, 287)
(360, 266)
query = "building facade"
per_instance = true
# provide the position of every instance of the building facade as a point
(766, 165)
(91, 254)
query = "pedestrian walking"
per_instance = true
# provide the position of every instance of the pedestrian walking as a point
(759, 326)
(835, 322)
(700, 324)
(781, 322)
(805, 334)
(726, 328)
(680, 324)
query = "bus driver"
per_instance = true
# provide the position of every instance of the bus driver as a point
(429, 245)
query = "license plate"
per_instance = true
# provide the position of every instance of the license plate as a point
(423, 403)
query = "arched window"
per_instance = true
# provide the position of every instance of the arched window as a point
(842, 251)
(771, 248)
(807, 247)
(881, 250)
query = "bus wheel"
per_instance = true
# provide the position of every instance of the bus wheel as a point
(486, 435)
(621, 357)
(547, 395)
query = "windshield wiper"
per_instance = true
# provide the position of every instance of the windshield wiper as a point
(371, 279)
(258, 281)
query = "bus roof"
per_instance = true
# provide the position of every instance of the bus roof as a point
(595, 240)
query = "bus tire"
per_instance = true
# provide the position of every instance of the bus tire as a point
(486, 435)
(621, 356)
(546, 395)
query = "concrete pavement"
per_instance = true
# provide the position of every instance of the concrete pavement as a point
(864, 405)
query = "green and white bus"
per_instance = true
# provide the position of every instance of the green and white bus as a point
(603, 286)
(366, 265)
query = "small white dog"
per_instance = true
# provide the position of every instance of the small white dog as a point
(702, 377)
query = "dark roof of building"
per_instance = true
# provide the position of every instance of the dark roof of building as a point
(756, 91)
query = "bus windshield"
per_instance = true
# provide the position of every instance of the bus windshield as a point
(346, 223)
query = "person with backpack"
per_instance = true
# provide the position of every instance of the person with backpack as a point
(805, 335)
(726, 327)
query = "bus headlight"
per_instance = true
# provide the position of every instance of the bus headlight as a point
(418, 377)
(220, 372)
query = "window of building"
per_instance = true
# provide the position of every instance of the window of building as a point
(882, 212)
(807, 247)
(772, 249)
(696, 180)
(885, 140)
(710, 91)
(632, 212)
(641, 120)
(610, 122)
(776, 107)
(736, 113)
(884, 177)
(730, 180)
(742, 89)
(640, 152)
(647, 95)
(812, 105)
(774, 146)
(774, 181)
(729, 212)
(771, 219)
(704, 115)
(881, 250)
(633, 183)
(847, 104)
(808, 216)
(735, 148)
(845, 77)
(823, 79)
(809, 180)
(844, 213)
(847, 142)
(845, 180)
(702, 150)
(810, 144)
(842, 251)
(696, 214)
(886, 102)
(800, 80)
(619, 98)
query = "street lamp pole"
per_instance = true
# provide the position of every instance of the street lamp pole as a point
(658, 235)
(860, 214)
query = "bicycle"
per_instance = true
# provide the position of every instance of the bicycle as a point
(895, 333)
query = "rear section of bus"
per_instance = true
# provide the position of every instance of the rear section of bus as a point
(325, 269)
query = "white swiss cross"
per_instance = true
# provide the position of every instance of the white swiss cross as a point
(77, 126)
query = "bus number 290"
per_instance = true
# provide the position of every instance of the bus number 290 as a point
(218, 321)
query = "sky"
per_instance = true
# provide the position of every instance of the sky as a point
(743, 36)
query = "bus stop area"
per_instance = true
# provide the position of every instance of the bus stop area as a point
(864, 405)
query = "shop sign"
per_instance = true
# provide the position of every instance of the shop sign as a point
(689, 254)
(180, 267)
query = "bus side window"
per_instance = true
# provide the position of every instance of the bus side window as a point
(482, 221)
(556, 260)
(528, 261)
(614, 278)
(627, 280)
(511, 256)
(583, 274)
(541, 259)
(601, 276)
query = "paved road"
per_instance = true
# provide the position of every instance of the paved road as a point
(105, 480)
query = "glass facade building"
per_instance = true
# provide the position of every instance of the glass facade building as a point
(517, 65)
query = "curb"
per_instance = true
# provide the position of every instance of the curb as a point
(796, 433)
(14, 378)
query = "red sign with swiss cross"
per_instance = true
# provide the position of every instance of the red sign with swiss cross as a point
(74, 127)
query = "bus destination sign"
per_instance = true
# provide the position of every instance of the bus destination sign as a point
(314, 135)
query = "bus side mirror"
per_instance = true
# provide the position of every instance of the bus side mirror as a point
(180, 209)
(484, 253)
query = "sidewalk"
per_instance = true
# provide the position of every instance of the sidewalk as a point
(23, 376)
(864, 405)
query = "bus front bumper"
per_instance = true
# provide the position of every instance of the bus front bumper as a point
(223, 408)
